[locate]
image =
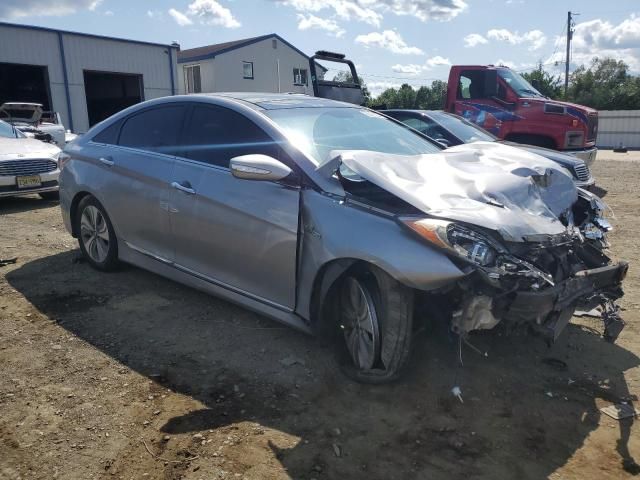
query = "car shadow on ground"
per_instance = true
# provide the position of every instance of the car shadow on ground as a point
(23, 203)
(523, 415)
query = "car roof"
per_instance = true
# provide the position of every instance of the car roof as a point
(275, 101)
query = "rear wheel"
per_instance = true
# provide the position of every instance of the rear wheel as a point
(96, 236)
(375, 318)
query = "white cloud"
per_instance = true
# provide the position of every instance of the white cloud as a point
(441, 10)
(411, 68)
(415, 69)
(12, 9)
(438, 61)
(180, 18)
(109, 13)
(311, 21)
(389, 40)
(601, 38)
(154, 14)
(205, 12)
(474, 39)
(535, 38)
(376, 88)
(371, 11)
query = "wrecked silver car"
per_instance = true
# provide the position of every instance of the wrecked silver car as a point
(337, 220)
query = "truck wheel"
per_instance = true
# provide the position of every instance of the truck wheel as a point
(96, 236)
(375, 315)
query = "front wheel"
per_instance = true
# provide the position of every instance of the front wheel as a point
(375, 317)
(96, 236)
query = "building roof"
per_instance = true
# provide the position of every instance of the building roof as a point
(90, 35)
(211, 51)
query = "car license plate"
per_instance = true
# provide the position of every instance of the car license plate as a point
(28, 181)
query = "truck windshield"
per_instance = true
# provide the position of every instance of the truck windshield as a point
(520, 86)
(318, 131)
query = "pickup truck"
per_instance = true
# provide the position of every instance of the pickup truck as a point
(504, 103)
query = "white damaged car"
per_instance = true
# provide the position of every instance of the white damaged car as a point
(27, 165)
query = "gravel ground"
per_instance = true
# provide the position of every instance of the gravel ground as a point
(129, 375)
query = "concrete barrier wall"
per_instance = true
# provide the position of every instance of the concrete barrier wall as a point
(618, 127)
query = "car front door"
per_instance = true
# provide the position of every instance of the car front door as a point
(240, 234)
(137, 176)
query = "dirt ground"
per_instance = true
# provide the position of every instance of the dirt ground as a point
(131, 376)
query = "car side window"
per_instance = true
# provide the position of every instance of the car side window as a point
(109, 135)
(417, 124)
(216, 134)
(155, 129)
(471, 84)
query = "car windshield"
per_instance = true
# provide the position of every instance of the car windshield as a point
(461, 128)
(8, 131)
(520, 86)
(318, 131)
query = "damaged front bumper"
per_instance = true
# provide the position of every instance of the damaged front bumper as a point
(550, 309)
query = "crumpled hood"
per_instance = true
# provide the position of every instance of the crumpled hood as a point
(10, 148)
(513, 192)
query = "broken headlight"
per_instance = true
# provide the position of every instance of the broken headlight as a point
(464, 242)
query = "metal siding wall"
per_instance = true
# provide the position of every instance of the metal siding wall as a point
(228, 69)
(618, 127)
(32, 47)
(82, 53)
(35, 47)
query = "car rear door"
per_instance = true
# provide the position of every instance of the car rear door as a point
(135, 185)
(240, 234)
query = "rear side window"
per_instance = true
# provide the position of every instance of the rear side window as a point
(156, 129)
(216, 134)
(109, 135)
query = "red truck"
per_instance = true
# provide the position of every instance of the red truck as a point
(503, 102)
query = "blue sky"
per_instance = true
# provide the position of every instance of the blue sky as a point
(391, 41)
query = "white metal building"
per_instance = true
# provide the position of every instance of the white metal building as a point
(261, 64)
(84, 77)
(619, 128)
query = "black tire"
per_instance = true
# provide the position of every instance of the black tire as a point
(50, 196)
(110, 261)
(393, 304)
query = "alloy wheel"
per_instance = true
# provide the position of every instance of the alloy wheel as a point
(94, 233)
(360, 324)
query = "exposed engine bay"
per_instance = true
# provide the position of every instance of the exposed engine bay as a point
(532, 245)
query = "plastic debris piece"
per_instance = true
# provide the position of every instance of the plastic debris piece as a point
(620, 411)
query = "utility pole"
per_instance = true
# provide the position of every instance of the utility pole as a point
(566, 66)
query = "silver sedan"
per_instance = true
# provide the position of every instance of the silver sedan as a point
(337, 220)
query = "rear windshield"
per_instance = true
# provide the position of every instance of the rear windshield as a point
(318, 131)
(461, 128)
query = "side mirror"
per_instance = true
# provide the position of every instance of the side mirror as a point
(258, 167)
(535, 83)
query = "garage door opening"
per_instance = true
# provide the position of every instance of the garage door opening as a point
(108, 93)
(24, 83)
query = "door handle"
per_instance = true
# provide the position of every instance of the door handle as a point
(108, 161)
(184, 187)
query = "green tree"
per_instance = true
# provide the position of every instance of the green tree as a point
(547, 84)
(605, 85)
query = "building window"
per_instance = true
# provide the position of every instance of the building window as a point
(247, 69)
(192, 82)
(300, 76)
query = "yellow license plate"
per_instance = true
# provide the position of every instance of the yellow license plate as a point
(28, 181)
